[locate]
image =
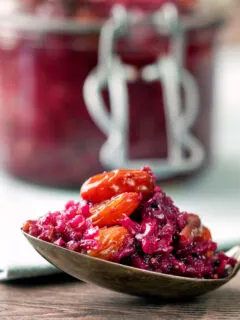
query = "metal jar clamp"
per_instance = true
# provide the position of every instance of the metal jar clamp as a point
(113, 75)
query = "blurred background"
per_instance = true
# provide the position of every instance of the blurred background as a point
(180, 70)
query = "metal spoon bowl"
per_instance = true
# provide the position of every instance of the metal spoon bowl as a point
(127, 279)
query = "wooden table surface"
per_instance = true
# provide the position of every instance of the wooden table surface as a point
(62, 297)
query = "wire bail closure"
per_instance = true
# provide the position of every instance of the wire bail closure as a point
(113, 75)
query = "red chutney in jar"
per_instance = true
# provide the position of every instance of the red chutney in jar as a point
(47, 133)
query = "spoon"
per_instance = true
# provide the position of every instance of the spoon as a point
(127, 279)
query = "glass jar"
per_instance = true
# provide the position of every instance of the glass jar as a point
(53, 133)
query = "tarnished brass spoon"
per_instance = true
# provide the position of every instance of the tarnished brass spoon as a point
(126, 279)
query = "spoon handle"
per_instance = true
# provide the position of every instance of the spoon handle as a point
(235, 253)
